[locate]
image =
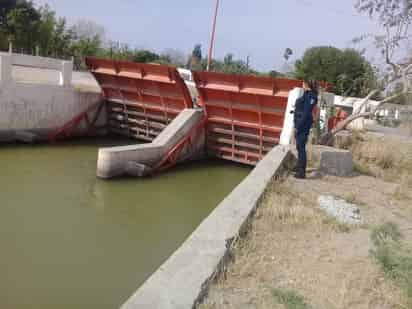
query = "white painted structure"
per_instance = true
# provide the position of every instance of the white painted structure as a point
(62, 67)
(38, 107)
(354, 104)
(286, 136)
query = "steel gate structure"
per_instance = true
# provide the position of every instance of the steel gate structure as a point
(245, 114)
(142, 99)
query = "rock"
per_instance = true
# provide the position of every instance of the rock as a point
(343, 211)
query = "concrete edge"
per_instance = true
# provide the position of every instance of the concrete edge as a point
(183, 280)
(112, 161)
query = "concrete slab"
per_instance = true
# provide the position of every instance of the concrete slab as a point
(182, 281)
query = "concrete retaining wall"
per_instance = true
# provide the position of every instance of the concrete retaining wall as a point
(115, 161)
(41, 108)
(36, 61)
(183, 279)
(37, 107)
(64, 69)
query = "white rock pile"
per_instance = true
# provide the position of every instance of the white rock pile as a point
(343, 211)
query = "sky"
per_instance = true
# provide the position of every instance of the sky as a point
(262, 29)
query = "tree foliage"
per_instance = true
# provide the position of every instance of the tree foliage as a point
(287, 54)
(395, 18)
(195, 60)
(38, 29)
(347, 70)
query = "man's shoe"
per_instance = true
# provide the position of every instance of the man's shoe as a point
(300, 174)
(295, 169)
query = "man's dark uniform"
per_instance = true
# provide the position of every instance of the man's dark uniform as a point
(303, 120)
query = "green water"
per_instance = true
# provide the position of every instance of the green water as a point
(70, 240)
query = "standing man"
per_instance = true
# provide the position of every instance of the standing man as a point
(303, 120)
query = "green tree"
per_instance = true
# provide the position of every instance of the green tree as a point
(394, 18)
(176, 57)
(145, 56)
(61, 40)
(195, 60)
(287, 54)
(347, 70)
(5, 7)
(22, 25)
(197, 52)
(46, 30)
(275, 74)
(87, 39)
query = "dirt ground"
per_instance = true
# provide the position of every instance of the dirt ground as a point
(293, 246)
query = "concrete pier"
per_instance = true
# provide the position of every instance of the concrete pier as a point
(117, 161)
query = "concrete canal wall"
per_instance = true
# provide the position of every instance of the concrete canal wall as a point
(183, 279)
(27, 105)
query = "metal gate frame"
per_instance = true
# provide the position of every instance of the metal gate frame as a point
(245, 114)
(142, 99)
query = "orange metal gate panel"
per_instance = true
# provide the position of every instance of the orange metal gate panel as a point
(245, 114)
(142, 99)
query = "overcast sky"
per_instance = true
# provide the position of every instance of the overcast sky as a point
(259, 28)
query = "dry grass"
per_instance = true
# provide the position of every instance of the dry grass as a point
(393, 256)
(285, 206)
(406, 126)
(390, 160)
(385, 158)
(294, 255)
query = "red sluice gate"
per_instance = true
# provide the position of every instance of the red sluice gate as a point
(245, 114)
(142, 99)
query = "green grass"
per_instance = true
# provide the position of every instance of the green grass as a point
(383, 234)
(290, 299)
(394, 257)
(362, 169)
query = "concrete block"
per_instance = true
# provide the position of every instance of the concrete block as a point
(66, 74)
(5, 68)
(111, 162)
(335, 162)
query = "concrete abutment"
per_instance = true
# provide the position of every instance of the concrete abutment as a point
(130, 160)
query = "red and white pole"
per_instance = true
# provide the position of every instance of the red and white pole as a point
(212, 36)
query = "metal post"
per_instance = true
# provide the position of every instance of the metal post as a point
(212, 36)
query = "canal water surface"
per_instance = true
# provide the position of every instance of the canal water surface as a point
(70, 240)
